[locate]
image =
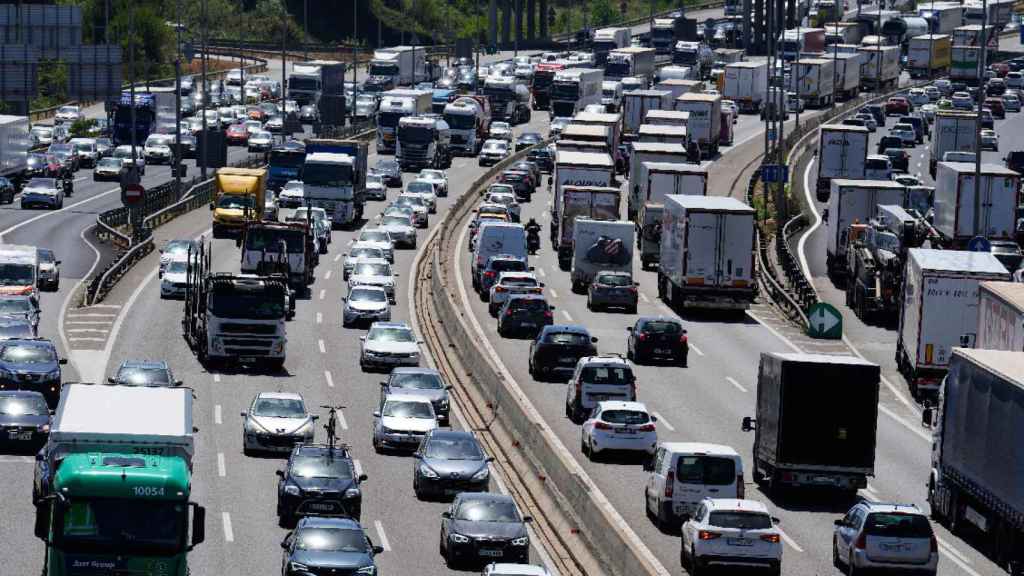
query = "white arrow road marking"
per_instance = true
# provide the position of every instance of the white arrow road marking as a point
(664, 421)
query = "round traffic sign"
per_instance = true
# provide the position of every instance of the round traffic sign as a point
(134, 193)
(979, 244)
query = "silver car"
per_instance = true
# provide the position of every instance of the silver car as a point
(876, 535)
(373, 272)
(260, 141)
(420, 210)
(389, 344)
(276, 422)
(49, 270)
(402, 422)
(400, 229)
(438, 177)
(379, 239)
(375, 188)
(359, 251)
(174, 280)
(366, 304)
(426, 190)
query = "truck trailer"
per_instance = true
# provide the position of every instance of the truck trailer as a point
(746, 84)
(1001, 316)
(597, 246)
(15, 142)
(881, 66)
(854, 201)
(648, 152)
(842, 152)
(658, 180)
(961, 216)
(953, 131)
(704, 124)
(929, 55)
(636, 104)
(814, 80)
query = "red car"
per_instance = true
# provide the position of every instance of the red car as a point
(237, 135)
(898, 105)
(1000, 68)
(995, 105)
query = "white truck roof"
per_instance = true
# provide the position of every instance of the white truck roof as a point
(676, 167)
(986, 168)
(17, 252)
(712, 203)
(957, 261)
(331, 157)
(592, 130)
(681, 115)
(659, 147)
(661, 130)
(596, 117)
(573, 158)
(1011, 292)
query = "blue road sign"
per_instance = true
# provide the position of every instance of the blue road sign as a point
(774, 173)
(979, 244)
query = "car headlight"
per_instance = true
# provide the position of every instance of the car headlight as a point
(293, 491)
(482, 474)
(352, 493)
(386, 430)
(297, 567)
(458, 538)
(53, 374)
(444, 403)
(426, 472)
(367, 570)
(521, 541)
(44, 428)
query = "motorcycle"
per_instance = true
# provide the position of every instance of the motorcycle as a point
(532, 241)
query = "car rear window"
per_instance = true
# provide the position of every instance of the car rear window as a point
(660, 327)
(615, 280)
(897, 525)
(508, 266)
(707, 470)
(519, 282)
(876, 164)
(740, 520)
(606, 375)
(625, 417)
(567, 338)
(529, 305)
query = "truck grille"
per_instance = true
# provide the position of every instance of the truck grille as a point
(458, 139)
(246, 342)
(248, 328)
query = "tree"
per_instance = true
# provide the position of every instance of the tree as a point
(53, 84)
(603, 12)
(82, 128)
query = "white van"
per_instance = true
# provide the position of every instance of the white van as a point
(496, 238)
(684, 473)
(611, 95)
(878, 167)
(597, 379)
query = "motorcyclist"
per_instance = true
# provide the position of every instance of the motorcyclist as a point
(69, 185)
(533, 227)
(532, 235)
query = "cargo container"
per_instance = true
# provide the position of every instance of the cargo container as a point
(801, 40)
(667, 117)
(961, 216)
(963, 65)
(929, 55)
(799, 442)
(942, 17)
(847, 74)
(612, 121)
(974, 35)
(636, 103)
(854, 201)
(632, 61)
(952, 132)
(587, 169)
(14, 145)
(976, 465)
(705, 116)
(842, 33)
(661, 133)
(815, 81)
(746, 84)
(707, 253)
(606, 40)
(599, 245)
(881, 66)
(842, 152)
(939, 311)
(648, 152)
(678, 87)
(1001, 316)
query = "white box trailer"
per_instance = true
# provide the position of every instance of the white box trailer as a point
(667, 117)
(815, 81)
(842, 152)
(613, 121)
(576, 169)
(960, 215)
(847, 74)
(953, 131)
(600, 245)
(705, 122)
(886, 74)
(746, 84)
(657, 181)
(636, 103)
(14, 145)
(595, 202)
(632, 61)
(707, 253)
(1001, 316)
(854, 201)
(963, 65)
(943, 17)
(648, 152)
(676, 88)
(939, 310)
(662, 133)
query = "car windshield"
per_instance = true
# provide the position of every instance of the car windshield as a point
(116, 526)
(402, 409)
(15, 306)
(374, 236)
(708, 470)
(567, 338)
(279, 408)
(454, 449)
(386, 166)
(141, 376)
(28, 354)
(420, 188)
(367, 295)
(416, 381)
(897, 525)
(740, 520)
(409, 201)
(371, 269)
(508, 266)
(330, 539)
(110, 163)
(23, 406)
(366, 253)
(395, 221)
(625, 417)
(387, 334)
(233, 202)
(661, 327)
(494, 147)
(615, 280)
(41, 183)
(321, 466)
(487, 511)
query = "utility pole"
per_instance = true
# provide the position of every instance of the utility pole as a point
(305, 27)
(177, 108)
(982, 62)
(241, 53)
(131, 86)
(355, 59)
(518, 19)
(206, 97)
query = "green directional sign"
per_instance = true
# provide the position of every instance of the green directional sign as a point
(825, 322)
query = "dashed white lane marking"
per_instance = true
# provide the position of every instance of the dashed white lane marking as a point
(88, 323)
(216, 377)
(789, 541)
(218, 417)
(382, 535)
(733, 381)
(81, 339)
(327, 275)
(567, 315)
(541, 272)
(358, 467)
(664, 421)
(553, 292)
(321, 346)
(222, 470)
(319, 318)
(647, 301)
(350, 242)
(80, 178)
(329, 378)
(695, 349)
(337, 257)
(229, 534)
(322, 293)
(90, 315)
(341, 420)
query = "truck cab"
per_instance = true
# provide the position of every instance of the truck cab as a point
(469, 120)
(423, 142)
(240, 195)
(510, 100)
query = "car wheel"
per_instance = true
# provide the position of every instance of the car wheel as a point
(835, 555)
(692, 568)
(851, 570)
(585, 447)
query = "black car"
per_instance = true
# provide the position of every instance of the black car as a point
(484, 526)
(889, 142)
(520, 182)
(423, 382)
(318, 481)
(24, 420)
(450, 462)
(144, 373)
(530, 168)
(31, 364)
(876, 110)
(390, 172)
(544, 159)
(657, 338)
(527, 139)
(334, 546)
(7, 191)
(900, 159)
(555, 351)
(524, 314)
(612, 289)
(493, 268)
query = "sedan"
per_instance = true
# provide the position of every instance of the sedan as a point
(436, 177)
(501, 131)
(292, 194)
(899, 158)
(613, 290)
(906, 133)
(426, 190)
(328, 546)
(260, 141)
(400, 229)
(388, 344)
(898, 105)
(144, 373)
(390, 171)
(509, 284)
(450, 462)
(492, 152)
(402, 422)
(49, 270)
(375, 188)
(68, 114)
(176, 250)
(484, 526)
(276, 422)
(373, 272)
(619, 426)
(654, 338)
(360, 251)
(527, 139)
(42, 192)
(869, 121)
(275, 125)
(174, 279)
(424, 382)
(24, 420)
(365, 304)
(962, 101)
(237, 135)
(31, 365)
(108, 169)
(1011, 103)
(378, 239)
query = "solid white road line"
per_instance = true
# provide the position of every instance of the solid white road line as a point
(67, 299)
(88, 323)
(329, 378)
(358, 467)
(695, 349)
(221, 468)
(909, 426)
(341, 419)
(24, 223)
(382, 535)
(229, 534)
(733, 381)
(789, 541)
(337, 257)
(216, 377)
(320, 345)
(951, 550)
(217, 415)
(664, 421)
(567, 315)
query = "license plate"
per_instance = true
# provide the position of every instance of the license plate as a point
(15, 435)
(662, 351)
(321, 506)
(624, 431)
(567, 361)
(247, 359)
(739, 542)
(895, 547)
(529, 325)
(491, 553)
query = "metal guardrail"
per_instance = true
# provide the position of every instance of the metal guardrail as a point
(634, 21)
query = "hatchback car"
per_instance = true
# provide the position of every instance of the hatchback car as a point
(619, 426)
(658, 338)
(402, 421)
(423, 382)
(436, 177)
(24, 420)
(962, 101)
(276, 422)
(875, 535)
(483, 526)
(493, 151)
(509, 284)
(155, 373)
(31, 364)
(524, 314)
(400, 229)
(898, 106)
(359, 251)
(906, 133)
(108, 169)
(292, 194)
(20, 307)
(328, 546)
(597, 379)
(556, 350)
(377, 238)
(450, 462)
(611, 289)
(319, 481)
(365, 304)
(989, 140)
(918, 97)
(373, 272)
(727, 532)
(426, 191)
(495, 266)
(899, 159)
(260, 141)
(391, 172)
(174, 279)
(389, 344)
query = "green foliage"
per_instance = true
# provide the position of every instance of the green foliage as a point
(53, 84)
(81, 128)
(603, 12)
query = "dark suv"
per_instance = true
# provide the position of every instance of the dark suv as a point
(612, 290)
(524, 314)
(520, 181)
(555, 351)
(318, 481)
(31, 364)
(543, 157)
(889, 142)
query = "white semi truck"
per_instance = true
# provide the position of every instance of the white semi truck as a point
(814, 80)
(746, 84)
(657, 181)
(574, 89)
(14, 145)
(705, 122)
(842, 152)
(404, 65)
(634, 61)
(648, 152)
(394, 105)
(881, 67)
(953, 132)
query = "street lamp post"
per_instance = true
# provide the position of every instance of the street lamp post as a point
(206, 98)
(982, 57)
(177, 108)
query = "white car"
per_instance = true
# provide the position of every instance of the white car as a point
(415, 204)
(292, 194)
(276, 422)
(360, 251)
(438, 177)
(882, 536)
(918, 97)
(402, 422)
(400, 228)
(509, 284)
(375, 188)
(733, 108)
(426, 190)
(68, 114)
(366, 304)
(493, 151)
(260, 141)
(500, 131)
(619, 426)
(377, 238)
(389, 344)
(158, 148)
(124, 152)
(731, 532)
(373, 272)
(906, 133)
(506, 569)
(270, 211)
(174, 280)
(869, 121)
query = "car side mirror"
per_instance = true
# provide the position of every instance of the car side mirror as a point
(839, 522)
(363, 477)
(198, 525)
(775, 520)
(62, 361)
(376, 413)
(528, 519)
(748, 424)
(446, 514)
(110, 380)
(280, 473)
(593, 339)
(362, 338)
(551, 307)
(629, 328)
(314, 417)
(211, 207)
(927, 415)
(378, 549)
(284, 543)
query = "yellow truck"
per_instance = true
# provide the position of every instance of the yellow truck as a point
(240, 195)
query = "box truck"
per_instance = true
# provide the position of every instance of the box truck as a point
(667, 117)
(704, 122)
(594, 202)
(648, 152)
(929, 55)
(707, 253)
(403, 65)
(850, 201)
(842, 152)
(635, 105)
(963, 66)
(939, 311)
(942, 17)
(678, 87)
(953, 132)
(606, 40)
(612, 121)
(1001, 316)
(658, 180)
(881, 66)
(599, 245)
(573, 168)
(960, 215)
(662, 133)
(798, 440)
(815, 81)
(631, 62)
(14, 145)
(802, 40)
(746, 84)
(976, 463)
